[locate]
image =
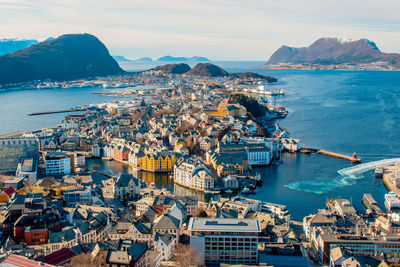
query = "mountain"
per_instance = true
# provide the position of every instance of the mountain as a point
(68, 57)
(207, 70)
(252, 75)
(148, 59)
(334, 51)
(170, 58)
(173, 68)
(120, 58)
(8, 46)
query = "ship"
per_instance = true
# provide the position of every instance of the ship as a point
(370, 203)
(379, 172)
(392, 201)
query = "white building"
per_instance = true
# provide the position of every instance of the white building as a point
(57, 163)
(192, 173)
(165, 244)
(222, 240)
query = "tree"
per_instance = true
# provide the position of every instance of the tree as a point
(186, 256)
(85, 260)
(202, 214)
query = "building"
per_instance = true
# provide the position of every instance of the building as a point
(127, 186)
(165, 245)
(57, 163)
(121, 153)
(384, 246)
(233, 241)
(14, 149)
(192, 173)
(78, 195)
(27, 169)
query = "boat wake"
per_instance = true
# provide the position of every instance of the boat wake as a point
(347, 176)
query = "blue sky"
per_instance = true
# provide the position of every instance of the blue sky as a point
(217, 29)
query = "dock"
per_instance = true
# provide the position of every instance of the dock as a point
(56, 111)
(331, 154)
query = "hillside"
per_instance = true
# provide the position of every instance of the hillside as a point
(252, 75)
(207, 70)
(334, 51)
(67, 57)
(173, 68)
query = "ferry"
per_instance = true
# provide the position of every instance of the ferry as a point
(392, 201)
(379, 172)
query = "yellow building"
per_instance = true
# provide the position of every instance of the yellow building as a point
(159, 162)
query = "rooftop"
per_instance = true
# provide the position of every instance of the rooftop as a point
(224, 225)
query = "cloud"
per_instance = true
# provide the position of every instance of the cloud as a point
(223, 29)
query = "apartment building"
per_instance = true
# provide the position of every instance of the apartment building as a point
(222, 240)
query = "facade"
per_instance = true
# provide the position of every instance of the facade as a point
(232, 241)
(192, 173)
(127, 186)
(78, 195)
(57, 163)
(14, 150)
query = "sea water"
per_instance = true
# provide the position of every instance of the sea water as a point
(339, 111)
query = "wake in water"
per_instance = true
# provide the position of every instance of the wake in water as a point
(348, 176)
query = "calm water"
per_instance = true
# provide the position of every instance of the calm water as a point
(341, 111)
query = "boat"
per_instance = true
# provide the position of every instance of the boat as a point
(392, 201)
(228, 191)
(370, 203)
(152, 185)
(274, 92)
(378, 172)
(247, 191)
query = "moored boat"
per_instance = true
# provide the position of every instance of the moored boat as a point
(247, 191)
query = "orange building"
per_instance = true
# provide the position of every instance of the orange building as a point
(121, 153)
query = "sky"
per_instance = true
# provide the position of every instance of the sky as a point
(217, 29)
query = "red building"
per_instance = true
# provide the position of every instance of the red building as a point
(121, 153)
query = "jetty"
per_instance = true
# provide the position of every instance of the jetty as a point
(353, 159)
(56, 111)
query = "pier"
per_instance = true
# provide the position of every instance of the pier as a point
(331, 154)
(55, 111)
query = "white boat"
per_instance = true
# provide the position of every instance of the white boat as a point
(247, 191)
(274, 92)
(152, 185)
(379, 172)
(392, 201)
(228, 191)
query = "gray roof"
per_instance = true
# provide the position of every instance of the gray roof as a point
(167, 238)
(224, 225)
(167, 222)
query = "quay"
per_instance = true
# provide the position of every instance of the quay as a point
(353, 159)
(55, 111)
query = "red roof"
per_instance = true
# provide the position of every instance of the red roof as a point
(59, 256)
(22, 261)
(9, 191)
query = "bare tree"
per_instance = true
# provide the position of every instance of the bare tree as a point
(85, 260)
(187, 256)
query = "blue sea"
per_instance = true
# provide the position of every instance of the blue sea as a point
(340, 111)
